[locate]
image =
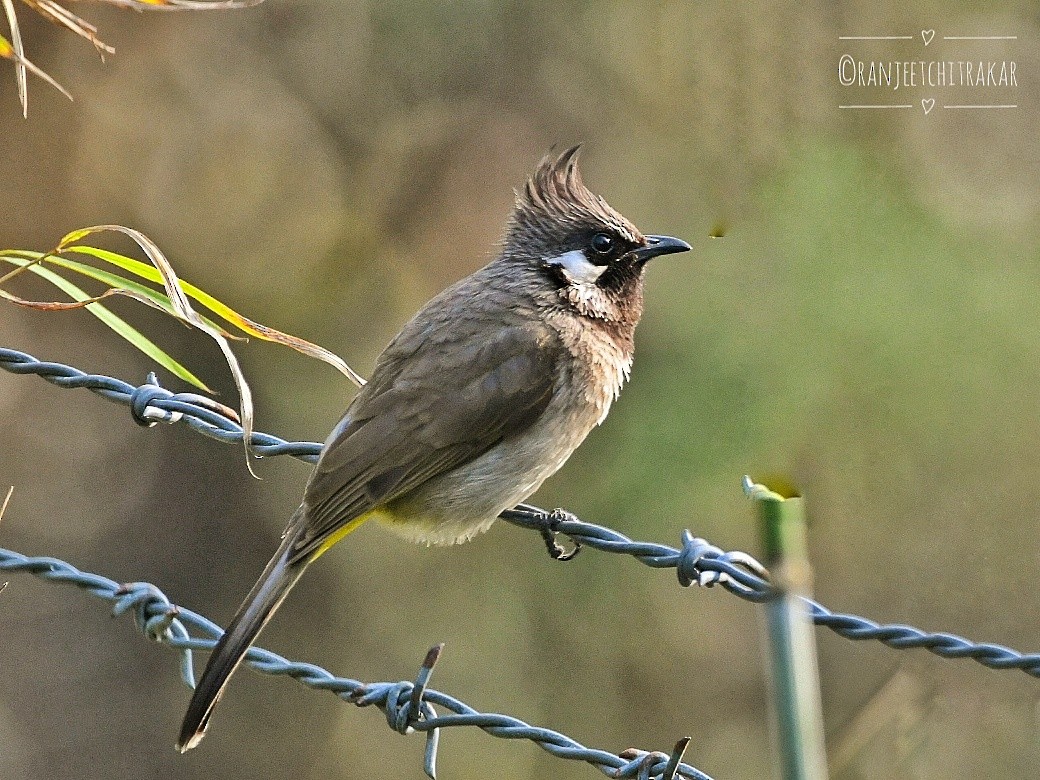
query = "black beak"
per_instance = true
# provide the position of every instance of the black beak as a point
(659, 245)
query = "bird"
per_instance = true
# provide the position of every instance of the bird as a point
(483, 395)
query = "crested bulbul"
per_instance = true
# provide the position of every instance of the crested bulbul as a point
(482, 395)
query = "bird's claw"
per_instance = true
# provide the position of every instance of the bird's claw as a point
(549, 533)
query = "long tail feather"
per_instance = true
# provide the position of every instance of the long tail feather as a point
(261, 603)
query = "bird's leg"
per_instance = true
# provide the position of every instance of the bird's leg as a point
(547, 523)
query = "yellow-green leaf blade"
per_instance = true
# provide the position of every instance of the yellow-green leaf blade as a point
(124, 329)
(222, 310)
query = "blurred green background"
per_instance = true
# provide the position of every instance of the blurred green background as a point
(870, 326)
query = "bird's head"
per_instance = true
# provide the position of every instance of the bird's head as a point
(590, 254)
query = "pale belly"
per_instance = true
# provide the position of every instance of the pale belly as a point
(464, 502)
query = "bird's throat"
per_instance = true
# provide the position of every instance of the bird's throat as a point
(590, 300)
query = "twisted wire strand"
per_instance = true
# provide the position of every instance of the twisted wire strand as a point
(696, 562)
(408, 707)
(701, 563)
(150, 404)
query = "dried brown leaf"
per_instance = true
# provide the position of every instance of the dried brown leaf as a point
(58, 14)
(18, 55)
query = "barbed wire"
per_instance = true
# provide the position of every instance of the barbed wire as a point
(408, 706)
(702, 563)
(150, 404)
(696, 562)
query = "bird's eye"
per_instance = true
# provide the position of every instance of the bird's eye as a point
(602, 243)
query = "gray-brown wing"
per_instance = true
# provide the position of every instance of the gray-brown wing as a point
(437, 408)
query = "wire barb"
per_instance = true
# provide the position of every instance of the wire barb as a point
(675, 759)
(418, 709)
(655, 764)
(425, 672)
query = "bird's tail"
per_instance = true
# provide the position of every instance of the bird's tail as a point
(265, 597)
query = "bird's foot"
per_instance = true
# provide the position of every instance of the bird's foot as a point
(550, 530)
(547, 524)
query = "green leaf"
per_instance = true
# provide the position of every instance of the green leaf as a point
(118, 282)
(226, 313)
(149, 272)
(112, 320)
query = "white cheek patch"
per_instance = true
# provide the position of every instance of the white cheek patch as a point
(577, 267)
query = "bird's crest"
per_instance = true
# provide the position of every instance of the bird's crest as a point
(555, 192)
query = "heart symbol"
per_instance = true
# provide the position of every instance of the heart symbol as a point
(927, 35)
(927, 104)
